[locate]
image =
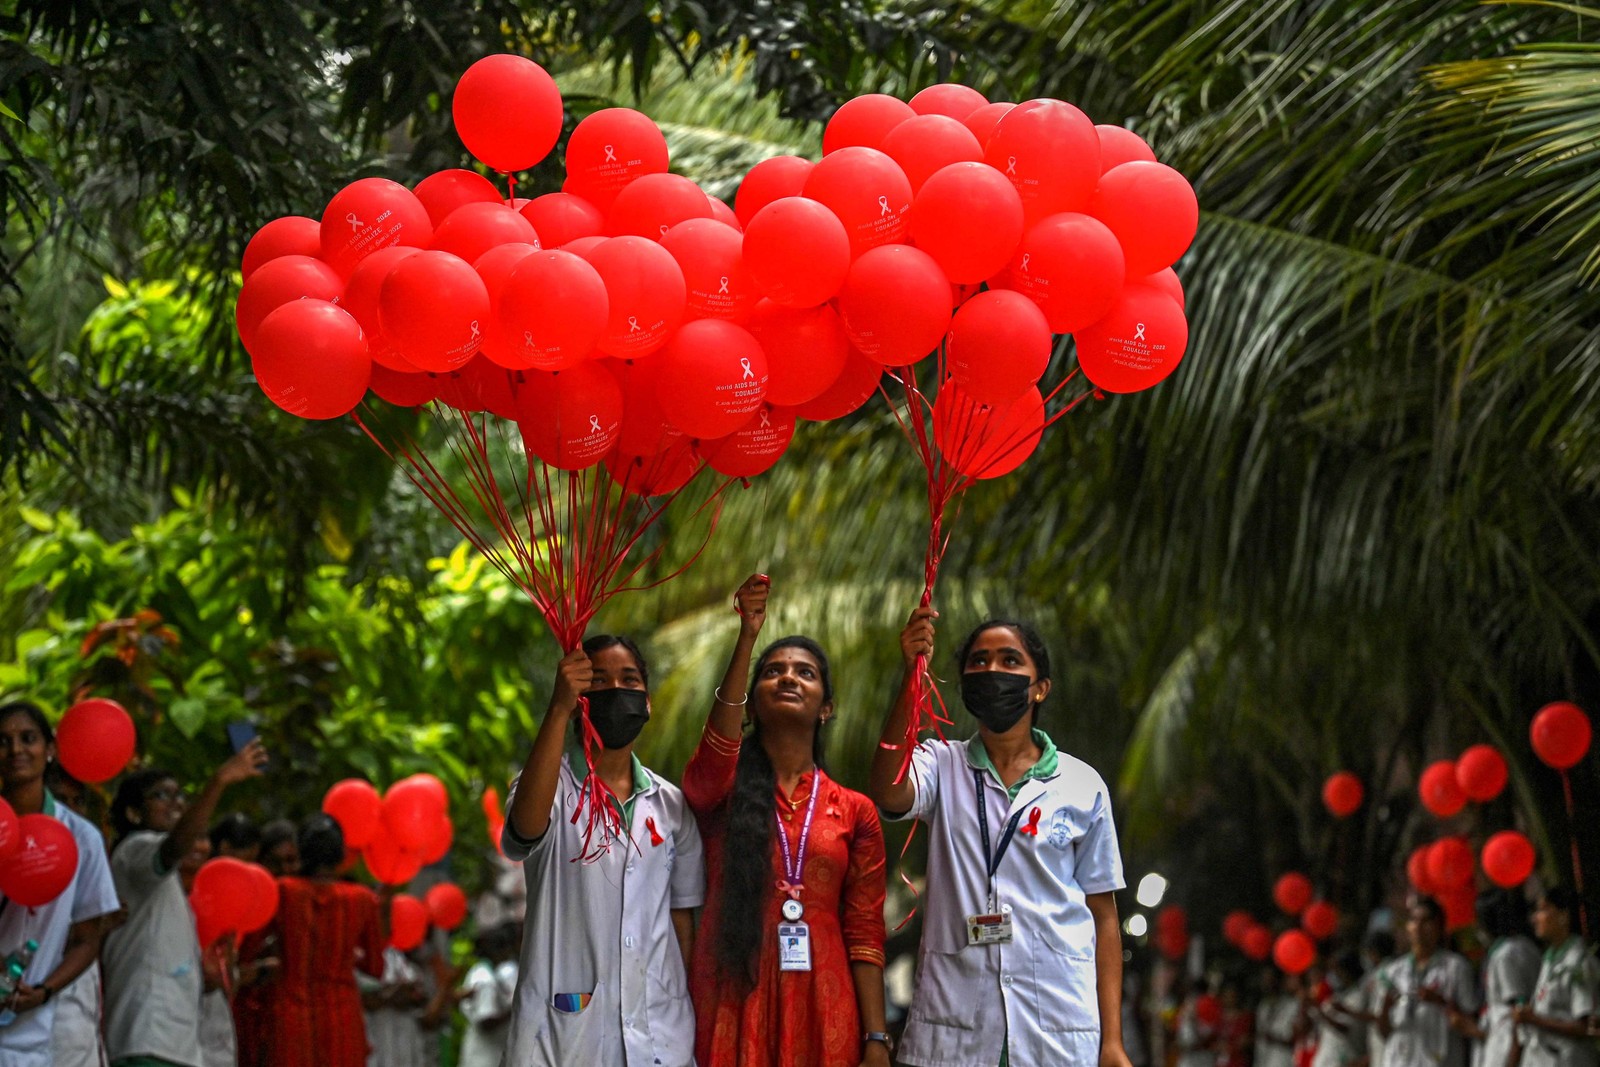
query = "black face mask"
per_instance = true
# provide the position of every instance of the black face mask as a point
(997, 699)
(618, 715)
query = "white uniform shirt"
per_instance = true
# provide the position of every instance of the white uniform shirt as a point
(489, 991)
(394, 1035)
(1337, 1047)
(601, 979)
(1509, 974)
(90, 894)
(152, 961)
(77, 1027)
(1036, 996)
(1276, 1018)
(1566, 989)
(1376, 985)
(1422, 1035)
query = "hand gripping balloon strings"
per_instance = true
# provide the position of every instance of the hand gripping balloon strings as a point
(973, 445)
(570, 540)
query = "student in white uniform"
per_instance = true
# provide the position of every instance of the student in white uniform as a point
(394, 1029)
(1427, 988)
(1021, 955)
(1557, 1028)
(605, 946)
(1341, 1038)
(152, 967)
(68, 928)
(1510, 969)
(1277, 1019)
(486, 997)
(76, 1041)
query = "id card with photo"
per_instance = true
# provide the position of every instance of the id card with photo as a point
(794, 947)
(993, 928)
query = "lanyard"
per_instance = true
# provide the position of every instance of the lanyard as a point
(794, 865)
(993, 860)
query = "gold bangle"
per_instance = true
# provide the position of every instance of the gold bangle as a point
(724, 700)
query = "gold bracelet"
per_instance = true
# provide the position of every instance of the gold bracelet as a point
(724, 700)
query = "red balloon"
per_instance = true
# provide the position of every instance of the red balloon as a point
(864, 121)
(724, 214)
(1256, 942)
(969, 219)
(561, 218)
(401, 389)
(895, 304)
(507, 111)
(1071, 266)
(388, 862)
(370, 214)
(440, 836)
(929, 143)
(474, 229)
(868, 192)
(433, 787)
(408, 922)
(1417, 871)
(1342, 794)
(806, 350)
(553, 311)
(481, 385)
(985, 120)
(1048, 149)
(361, 300)
(645, 429)
(10, 835)
(797, 252)
(495, 267)
(570, 418)
(1320, 919)
(646, 293)
(447, 905)
(856, 385)
(711, 256)
(1450, 863)
(1292, 893)
(1235, 925)
(1137, 344)
(664, 472)
(225, 891)
(653, 204)
(949, 99)
(1153, 211)
(713, 378)
(410, 807)
(1173, 944)
(1507, 858)
(292, 235)
(1119, 145)
(44, 863)
(985, 442)
(999, 345)
(1481, 772)
(261, 901)
(608, 150)
(311, 360)
(95, 740)
(753, 448)
(1293, 952)
(1560, 734)
(1173, 917)
(442, 192)
(276, 283)
(771, 179)
(1439, 791)
(434, 308)
(1167, 281)
(1460, 908)
(355, 805)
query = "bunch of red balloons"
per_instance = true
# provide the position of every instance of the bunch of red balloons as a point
(632, 319)
(1245, 933)
(397, 833)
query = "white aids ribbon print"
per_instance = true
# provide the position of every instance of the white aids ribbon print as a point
(1138, 331)
(723, 289)
(744, 365)
(883, 206)
(1011, 165)
(477, 335)
(594, 424)
(633, 324)
(611, 154)
(355, 223)
(527, 338)
(766, 420)
(1025, 257)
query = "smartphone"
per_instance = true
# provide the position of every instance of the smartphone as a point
(241, 734)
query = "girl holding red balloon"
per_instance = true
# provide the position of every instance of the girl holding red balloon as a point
(1557, 1026)
(152, 961)
(602, 978)
(55, 885)
(788, 968)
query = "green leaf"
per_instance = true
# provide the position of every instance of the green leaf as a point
(36, 518)
(188, 714)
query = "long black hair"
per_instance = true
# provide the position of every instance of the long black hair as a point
(747, 846)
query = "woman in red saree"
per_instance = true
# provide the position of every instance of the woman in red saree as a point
(788, 964)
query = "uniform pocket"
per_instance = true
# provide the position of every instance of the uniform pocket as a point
(945, 987)
(1065, 987)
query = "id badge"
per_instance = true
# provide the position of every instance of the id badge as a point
(993, 928)
(794, 947)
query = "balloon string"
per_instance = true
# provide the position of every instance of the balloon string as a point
(1577, 860)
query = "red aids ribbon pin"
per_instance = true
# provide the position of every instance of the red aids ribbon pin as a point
(656, 838)
(1032, 829)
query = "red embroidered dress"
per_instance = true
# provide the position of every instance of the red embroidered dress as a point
(790, 1018)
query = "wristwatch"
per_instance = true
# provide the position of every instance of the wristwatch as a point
(879, 1036)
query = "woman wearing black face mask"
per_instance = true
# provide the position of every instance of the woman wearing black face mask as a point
(1021, 958)
(605, 946)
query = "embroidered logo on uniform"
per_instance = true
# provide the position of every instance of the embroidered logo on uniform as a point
(1060, 828)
